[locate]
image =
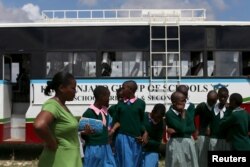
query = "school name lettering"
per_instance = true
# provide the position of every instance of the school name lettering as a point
(141, 88)
(114, 98)
(216, 158)
(92, 98)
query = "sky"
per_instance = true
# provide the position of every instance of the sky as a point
(30, 10)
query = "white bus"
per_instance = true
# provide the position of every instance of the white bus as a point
(159, 49)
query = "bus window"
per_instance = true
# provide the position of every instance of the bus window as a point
(136, 69)
(192, 64)
(210, 64)
(7, 68)
(225, 64)
(197, 64)
(56, 61)
(123, 64)
(159, 63)
(106, 64)
(173, 62)
(84, 64)
(246, 63)
(15, 71)
(185, 61)
(81, 64)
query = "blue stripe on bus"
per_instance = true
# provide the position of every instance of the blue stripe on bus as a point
(105, 81)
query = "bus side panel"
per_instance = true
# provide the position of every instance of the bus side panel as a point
(151, 93)
(233, 37)
(192, 37)
(5, 111)
(5, 131)
(31, 136)
(1, 63)
(93, 38)
(1, 132)
(22, 38)
(1, 114)
(246, 106)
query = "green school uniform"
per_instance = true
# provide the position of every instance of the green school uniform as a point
(189, 119)
(155, 132)
(217, 140)
(96, 138)
(112, 110)
(202, 143)
(130, 117)
(237, 124)
(190, 114)
(248, 124)
(180, 149)
(205, 115)
(215, 123)
(176, 122)
(65, 130)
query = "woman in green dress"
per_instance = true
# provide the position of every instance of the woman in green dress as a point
(57, 126)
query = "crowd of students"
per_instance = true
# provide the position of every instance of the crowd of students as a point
(132, 137)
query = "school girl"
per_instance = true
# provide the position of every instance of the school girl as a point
(129, 118)
(190, 110)
(190, 125)
(154, 126)
(97, 151)
(218, 140)
(237, 123)
(112, 109)
(180, 150)
(203, 111)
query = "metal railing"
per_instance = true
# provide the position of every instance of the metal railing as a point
(121, 14)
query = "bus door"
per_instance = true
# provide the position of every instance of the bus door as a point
(20, 96)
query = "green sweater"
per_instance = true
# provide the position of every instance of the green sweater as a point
(99, 138)
(205, 117)
(215, 125)
(237, 123)
(248, 123)
(177, 123)
(112, 110)
(155, 132)
(189, 119)
(131, 118)
(190, 114)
